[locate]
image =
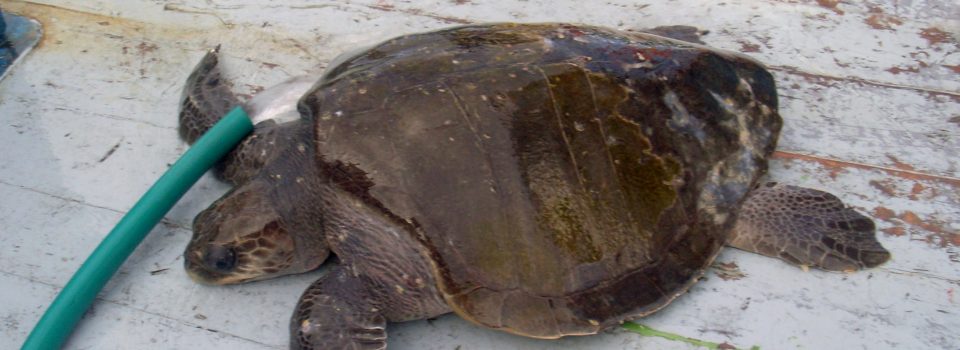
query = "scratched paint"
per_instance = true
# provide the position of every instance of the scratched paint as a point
(873, 116)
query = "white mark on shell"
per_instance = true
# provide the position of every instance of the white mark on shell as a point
(681, 119)
(637, 65)
(765, 110)
(305, 326)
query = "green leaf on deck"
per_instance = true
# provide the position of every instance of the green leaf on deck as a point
(650, 332)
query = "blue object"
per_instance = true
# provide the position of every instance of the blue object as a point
(17, 35)
(7, 53)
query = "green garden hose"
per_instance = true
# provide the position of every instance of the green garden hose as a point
(75, 298)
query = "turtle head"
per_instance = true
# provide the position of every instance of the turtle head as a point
(245, 237)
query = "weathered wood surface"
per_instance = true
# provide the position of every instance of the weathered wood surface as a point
(869, 91)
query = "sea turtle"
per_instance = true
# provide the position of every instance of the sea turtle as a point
(540, 179)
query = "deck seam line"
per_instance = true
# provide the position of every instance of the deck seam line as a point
(167, 222)
(58, 288)
(904, 173)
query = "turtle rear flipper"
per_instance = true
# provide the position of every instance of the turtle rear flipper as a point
(807, 227)
(206, 98)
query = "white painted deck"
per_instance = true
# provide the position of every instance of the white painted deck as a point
(869, 91)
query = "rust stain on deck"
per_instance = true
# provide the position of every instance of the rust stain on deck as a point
(824, 80)
(919, 190)
(902, 170)
(936, 36)
(884, 213)
(887, 186)
(899, 164)
(51, 16)
(937, 234)
(880, 20)
(895, 231)
(832, 5)
(898, 70)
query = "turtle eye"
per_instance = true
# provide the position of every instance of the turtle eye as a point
(220, 258)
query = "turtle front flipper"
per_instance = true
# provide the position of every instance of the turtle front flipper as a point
(807, 227)
(338, 312)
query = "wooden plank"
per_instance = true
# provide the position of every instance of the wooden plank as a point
(910, 45)
(895, 128)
